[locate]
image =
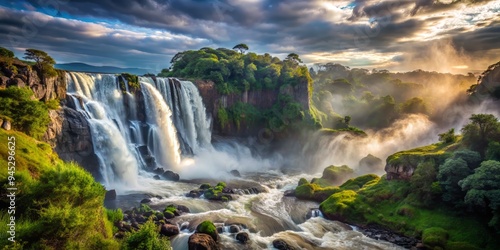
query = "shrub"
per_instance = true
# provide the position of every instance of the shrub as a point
(28, 116)
(435, 237)
(146, 238)
(114, 215)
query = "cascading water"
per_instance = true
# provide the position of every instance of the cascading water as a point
(138, 129)
(189, 113)
(101, 104)
(162, 136)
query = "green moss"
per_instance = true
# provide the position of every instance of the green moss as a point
(460, 246)
(359, 182)
(143, 208)
(314, 192)
(205, 186)
(114, 215)
(207, 227)
(335, 173)
(435, 237)
(303, 181)
(146, 238)
(171, 209)
(437, 151)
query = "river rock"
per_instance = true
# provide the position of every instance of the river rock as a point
(171, 176)
(242, 237)
(169, 230)
(201, 241)
(282, 245)
(234, 229)
(289, 193)
(183, 209)
(110, 195)
(145, 201)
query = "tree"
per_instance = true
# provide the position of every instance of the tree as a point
(423, 182)
(448, 137)
(292, 57)
(482, 129)
(483, 189)
(242, 48)
(450, 173)
(164, 73)
(6, 53)
(42, 61)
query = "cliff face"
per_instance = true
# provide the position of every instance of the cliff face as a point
(45, 89)
(488, 84)
(261, 99)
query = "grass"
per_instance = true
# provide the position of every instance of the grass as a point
(388, 203)
(414, 156)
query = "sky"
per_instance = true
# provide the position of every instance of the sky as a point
(456, 36)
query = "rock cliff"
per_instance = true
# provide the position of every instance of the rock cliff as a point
(261, 99)
(488, 84)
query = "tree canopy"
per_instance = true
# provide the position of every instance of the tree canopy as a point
(482, 129)
(6, 53)
(43, 61)
(242, 48)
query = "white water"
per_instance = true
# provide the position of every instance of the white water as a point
(162, 135)
(189, 112)
(101, 105)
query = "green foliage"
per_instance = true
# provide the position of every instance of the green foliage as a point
(170, 209)
(146, 238)
(416, 105)
(422, 183)
(207, 227)
(434, 237)
(450, 173)
(241, 47)
(164, 73)
(359, 182)
(43, 62)
(6, 53)
(27, 115)
(114, 215)
(493, 151)
(483, 189)
(52, 104)
(205, 186)
(144, 208)
(448, 137)
(314, 192)
(482, 129)
(223, 117)
(215, 193)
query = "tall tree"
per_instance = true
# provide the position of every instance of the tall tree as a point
(242, 48)
(42, 61)
(293, 58)
(482, 129)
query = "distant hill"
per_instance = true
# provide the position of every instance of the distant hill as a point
(83, 67)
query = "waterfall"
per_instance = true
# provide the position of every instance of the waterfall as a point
(159, 116)
(101, 105)
(189, 112)
(142, 130)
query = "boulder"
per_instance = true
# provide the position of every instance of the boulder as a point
(200, 241)
(183, 209)
(110, 195)
(145, 201)
(208, 227)
(289, 193)
(171, 176)
(371, 164)
(235, 173)
(6, 125)
(234, 229)
(242, 237)
(169, 230)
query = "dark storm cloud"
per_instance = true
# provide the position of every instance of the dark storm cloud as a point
(480, 40)
(271, 26)
(70, 41)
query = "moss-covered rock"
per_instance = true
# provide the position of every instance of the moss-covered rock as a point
(337, 173)
(359, 182)
(303, 181)
(208, 227)
(315, 192)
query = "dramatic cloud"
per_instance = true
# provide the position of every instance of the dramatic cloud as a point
(362, 33)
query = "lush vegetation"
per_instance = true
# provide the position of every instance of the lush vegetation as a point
(27, 115)
(451, 200)
(375, 99)
(236, 72)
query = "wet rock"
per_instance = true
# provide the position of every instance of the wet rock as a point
(195, 193)
(234, 228)
(242, 237)
(171, 176)
(313, 213)
(282, 245)
(145, 201)
(183, 209)
(169, 230)
(235, 173)
(220, 229)
(289, 193)
(110, 195)
(201, 241)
